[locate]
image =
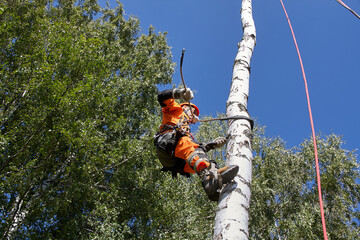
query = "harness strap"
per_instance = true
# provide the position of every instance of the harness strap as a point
(166, 127)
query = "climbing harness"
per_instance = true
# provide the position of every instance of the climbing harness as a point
(168, 137)
(312, 127)
(165, 141)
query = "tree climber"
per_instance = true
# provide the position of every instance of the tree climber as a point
(177, 150)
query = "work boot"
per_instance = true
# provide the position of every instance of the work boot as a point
(228, 173)
(210, 184)
(213, 179)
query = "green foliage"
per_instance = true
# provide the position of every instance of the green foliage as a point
(284, 202)
(208, 131)
(78, 111)
(78, 98)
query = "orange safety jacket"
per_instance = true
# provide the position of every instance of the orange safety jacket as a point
(174, 116)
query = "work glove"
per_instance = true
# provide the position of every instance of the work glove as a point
(195, 119)
(217, 143)
(187, 94)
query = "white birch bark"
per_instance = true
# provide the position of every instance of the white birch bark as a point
(232, 214)
(16, 216)
(20, 208)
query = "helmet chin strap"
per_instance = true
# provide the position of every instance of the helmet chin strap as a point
(186, 110)
(191, 116)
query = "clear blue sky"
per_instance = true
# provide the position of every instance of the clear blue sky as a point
(328, 36)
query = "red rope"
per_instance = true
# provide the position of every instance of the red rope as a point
(312, 127)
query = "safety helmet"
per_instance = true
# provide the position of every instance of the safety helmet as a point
(193, 105)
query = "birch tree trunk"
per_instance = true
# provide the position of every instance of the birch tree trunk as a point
(231, 220)
(20, 207)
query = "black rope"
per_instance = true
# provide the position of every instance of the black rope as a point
(231, 118)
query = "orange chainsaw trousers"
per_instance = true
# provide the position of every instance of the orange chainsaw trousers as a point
(184, 148)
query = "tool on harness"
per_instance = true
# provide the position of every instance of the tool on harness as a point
(165, 142)
(168, 137)
(172, 164)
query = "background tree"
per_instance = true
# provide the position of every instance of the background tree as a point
(78, 95)
(284, 198)
(284, 203)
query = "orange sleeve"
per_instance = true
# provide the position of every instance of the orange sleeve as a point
(172, 112)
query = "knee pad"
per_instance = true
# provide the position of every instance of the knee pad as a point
(199, 156)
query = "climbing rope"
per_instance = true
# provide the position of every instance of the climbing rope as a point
(312, 127)
(182, 77)
(231, 118)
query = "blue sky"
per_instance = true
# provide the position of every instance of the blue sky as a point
(327, 34)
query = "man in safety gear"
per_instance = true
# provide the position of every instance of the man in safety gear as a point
(177, 150)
